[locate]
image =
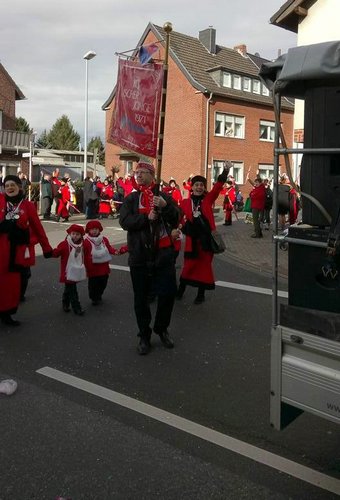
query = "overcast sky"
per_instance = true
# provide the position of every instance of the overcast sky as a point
(42, 43)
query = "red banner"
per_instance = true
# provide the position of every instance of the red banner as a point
(135, 117)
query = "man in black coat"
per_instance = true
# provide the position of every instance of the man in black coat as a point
(46, 195)
(149, 219)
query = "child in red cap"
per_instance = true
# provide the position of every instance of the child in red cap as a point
(72, 267)
(98, 252)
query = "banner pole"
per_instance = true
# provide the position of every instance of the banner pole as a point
(168, 29)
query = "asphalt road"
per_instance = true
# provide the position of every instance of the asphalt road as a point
(59, 440)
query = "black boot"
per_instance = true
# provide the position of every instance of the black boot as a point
(78, 311)
(7, 319)
(180, 291)
(200, 297)
(66, 306)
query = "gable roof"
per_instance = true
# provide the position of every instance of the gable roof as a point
(291, 13)
(198, 64)
(18, 94)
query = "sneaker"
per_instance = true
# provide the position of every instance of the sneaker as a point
(166, 339)
(144, 346)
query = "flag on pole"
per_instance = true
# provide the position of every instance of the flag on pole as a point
(135, 118)
(146, 52)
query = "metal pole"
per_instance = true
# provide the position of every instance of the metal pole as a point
(168, 29)
(86, 118)
(274, 215)
(88, 56)
(30, 171)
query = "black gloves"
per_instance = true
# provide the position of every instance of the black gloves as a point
(48, 255)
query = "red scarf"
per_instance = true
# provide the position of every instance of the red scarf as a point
(146, 200)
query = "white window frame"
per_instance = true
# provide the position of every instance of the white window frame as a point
(269, 131)
(218, 166)
(128, 166)
(229, 124)
(244, 86)
(266, 171)
(265, 91)
(237, 82)
(256, 86)
(0, 119)
(226, 79)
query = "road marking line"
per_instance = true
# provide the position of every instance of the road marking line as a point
(227, 284)
(249, 288)
(259, 455)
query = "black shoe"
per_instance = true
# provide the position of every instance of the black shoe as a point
(256, 236)
(66, 307)
(7, 319)
(144, 346)
(96, 302)
(166, 339)
(199, 299)
(79, 312)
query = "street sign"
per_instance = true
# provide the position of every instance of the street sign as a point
(26, 155)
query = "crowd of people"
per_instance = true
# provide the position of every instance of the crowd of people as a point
(157, 219)
(261, 203)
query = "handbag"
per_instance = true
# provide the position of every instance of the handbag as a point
(217, 243)
(247, 205)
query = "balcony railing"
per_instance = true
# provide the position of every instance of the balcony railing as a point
(14, 140)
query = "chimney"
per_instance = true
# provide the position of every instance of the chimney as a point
(207, 38)
(241, 49)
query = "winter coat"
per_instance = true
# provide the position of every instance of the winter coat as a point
(139, 238)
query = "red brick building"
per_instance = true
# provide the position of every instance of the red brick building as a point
(217, 108)
(12, 143)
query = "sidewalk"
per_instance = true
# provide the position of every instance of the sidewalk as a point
(253, 253)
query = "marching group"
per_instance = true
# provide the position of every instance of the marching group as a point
(155, 220)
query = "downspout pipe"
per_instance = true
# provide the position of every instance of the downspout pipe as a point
(207, 136)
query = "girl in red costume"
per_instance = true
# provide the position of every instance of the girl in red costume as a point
(64, 200)
(72, 267)
(105, 197)
(173, 190)
(20, 230)
(97, 252)
(197, 224)
(228, 203)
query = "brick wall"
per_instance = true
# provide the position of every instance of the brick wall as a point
(185, 131)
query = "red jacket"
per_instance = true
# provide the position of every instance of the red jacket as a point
(28, 218)
(63, 251)
(206, 207)
(258, 197)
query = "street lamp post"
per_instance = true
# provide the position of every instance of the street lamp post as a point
(88, 56)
